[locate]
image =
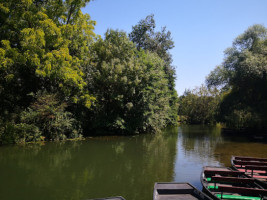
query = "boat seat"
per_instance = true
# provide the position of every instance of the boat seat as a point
(250, 159)
(241, 163)
(224, 173)
(232, 180)
(243, 191)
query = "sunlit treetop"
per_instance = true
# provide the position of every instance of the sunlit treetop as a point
(50, 41)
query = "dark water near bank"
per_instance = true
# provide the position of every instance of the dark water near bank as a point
(112, 166)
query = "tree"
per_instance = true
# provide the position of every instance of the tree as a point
(53, 68)
(145, 37)
(243, 75)
(160, 42)
(130, 87)
(42, 46)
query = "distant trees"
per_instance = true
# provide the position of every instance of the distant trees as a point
(236, 92)
(199, 106)
(242, 78)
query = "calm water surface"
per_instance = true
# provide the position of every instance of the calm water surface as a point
(112, 166)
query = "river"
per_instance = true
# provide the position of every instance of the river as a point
(117, 165)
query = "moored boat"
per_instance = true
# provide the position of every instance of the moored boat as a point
(252, 167)
(225, 183)
(177, 191)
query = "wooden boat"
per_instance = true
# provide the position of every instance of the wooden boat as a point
(177, 191)
(110, 198)
(252, 167)
(225, 183)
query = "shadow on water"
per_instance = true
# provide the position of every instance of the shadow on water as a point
(95, 167)
(112, 166)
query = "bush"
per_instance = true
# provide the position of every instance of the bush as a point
(48, 116)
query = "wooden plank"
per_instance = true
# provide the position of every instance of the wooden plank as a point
(247, 171)
(250, 158)
(232, 179)
(259, 177)
(239, 162)
(173, 188)
(177, 197)
(242, 190)
(223, 173)
(256, 167)
(209, 168)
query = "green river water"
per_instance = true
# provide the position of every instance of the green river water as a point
(116, 165)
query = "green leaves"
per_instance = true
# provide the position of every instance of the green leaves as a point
(130, 86)
(159, 42)
(145, 37)
(243, 74)
(48, 114)
(199, 106)
(108, 84)
(52, 50)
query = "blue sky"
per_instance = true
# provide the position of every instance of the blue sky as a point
(201, 29)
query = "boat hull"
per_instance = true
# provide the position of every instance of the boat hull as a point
(177, 191)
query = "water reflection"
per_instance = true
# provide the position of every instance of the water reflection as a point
(196, 145)
(111, 166)
(96, 167)
(199, 140)
(199, 146)
(241, 146)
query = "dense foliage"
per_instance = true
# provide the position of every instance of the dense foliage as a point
(58, 79)
(130, 86)
(146, 37)
(199, 106)
(243, 81)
